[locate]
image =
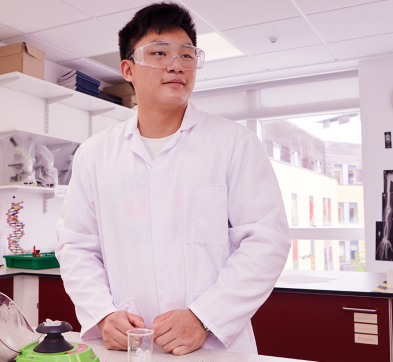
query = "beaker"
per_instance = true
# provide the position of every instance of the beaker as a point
(140, 345)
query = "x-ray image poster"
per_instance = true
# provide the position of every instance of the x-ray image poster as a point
(384, 232)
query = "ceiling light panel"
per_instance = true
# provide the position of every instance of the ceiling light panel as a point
(355, 22)
(299, 57)
(216, 47)
(316, 6)
(28, 16)
(291, 33)
(224, 15)
(52, 53)
(104, 7)
(85, 39)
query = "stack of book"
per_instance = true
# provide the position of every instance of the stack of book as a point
(80, 82)
(110, 97)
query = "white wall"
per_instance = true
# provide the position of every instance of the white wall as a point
(376, 111)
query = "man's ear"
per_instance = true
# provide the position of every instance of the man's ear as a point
(127, 68)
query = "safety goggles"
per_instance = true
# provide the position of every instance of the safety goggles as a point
(162, 54)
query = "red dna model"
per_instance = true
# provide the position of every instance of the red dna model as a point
(16, 235)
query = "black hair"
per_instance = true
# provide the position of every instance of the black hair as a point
(157, 17)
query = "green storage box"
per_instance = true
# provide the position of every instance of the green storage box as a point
(28, 261)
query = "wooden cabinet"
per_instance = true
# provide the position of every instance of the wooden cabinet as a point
(54, 302)
(7, 286)
(316, 327)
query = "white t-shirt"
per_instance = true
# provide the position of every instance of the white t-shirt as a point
(155, 145)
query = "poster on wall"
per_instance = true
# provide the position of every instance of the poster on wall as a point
(384, 232)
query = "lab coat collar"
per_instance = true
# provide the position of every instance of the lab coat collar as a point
(189, 121)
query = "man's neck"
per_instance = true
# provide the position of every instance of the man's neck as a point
(159, 123)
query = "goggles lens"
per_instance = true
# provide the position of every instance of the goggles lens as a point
(162, 54)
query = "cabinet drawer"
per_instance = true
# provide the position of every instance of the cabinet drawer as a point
(7, 286)
(55, 304)
(316, 327)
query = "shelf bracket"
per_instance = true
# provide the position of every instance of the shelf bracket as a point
(9, 80)
(97, 113)
(49, 101)
(59, 99)
(46, 198)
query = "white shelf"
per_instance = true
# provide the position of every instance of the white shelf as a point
(31, 189)
(40, 88)
(45, 139)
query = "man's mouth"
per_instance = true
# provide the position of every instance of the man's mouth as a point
(175, 81)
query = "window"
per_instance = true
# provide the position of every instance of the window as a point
(276, 151)
(353, 212)
(295, 218)
(354, 250)
(341, 212)
(312, 215)
(327, 215)
(319, 171)
(351, 175)
(338, 173)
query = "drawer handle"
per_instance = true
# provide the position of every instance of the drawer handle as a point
(361, 310)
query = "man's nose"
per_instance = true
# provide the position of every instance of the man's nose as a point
(176, 65)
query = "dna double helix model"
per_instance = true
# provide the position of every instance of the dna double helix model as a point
(16, 235)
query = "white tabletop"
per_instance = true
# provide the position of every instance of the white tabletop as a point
(201, 355)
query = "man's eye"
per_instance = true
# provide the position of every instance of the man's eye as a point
(187, 56)
(158, 53)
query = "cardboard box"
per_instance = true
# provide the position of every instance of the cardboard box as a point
(24, 58)
(125, 92)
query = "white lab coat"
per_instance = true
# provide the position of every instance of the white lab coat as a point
(149, 236)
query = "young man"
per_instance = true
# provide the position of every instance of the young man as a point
(174, 219)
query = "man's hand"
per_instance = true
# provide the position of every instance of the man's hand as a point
(114, 327)
(179, 331)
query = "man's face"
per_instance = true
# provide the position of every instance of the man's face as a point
(155, 86)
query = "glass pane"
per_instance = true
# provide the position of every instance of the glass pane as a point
(328, 255)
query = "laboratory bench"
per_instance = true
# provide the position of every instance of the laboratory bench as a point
(310, 315)
(201, 355)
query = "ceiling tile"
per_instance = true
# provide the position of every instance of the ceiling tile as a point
(105, 7)
(87, 38)
(52, 53)
(111, 60)
(354, 22)
(222, 15)
(201, 26)
(363, 47)
(6, 32)
(118, 20)
(33, 15)
(316, 6)
(292, 58)
(91, 68)
(229, 68)
(291, 33)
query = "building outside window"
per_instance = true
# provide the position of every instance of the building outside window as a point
(276, 152)
(295, 216)
(338, 173)
(327, 212)
(353, 212)
(331, 171)
(351, 175)
(341, 212)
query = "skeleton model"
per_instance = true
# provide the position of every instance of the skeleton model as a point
(385, 245)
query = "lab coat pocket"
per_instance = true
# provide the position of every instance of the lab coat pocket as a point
(206, 213)
(129, 306)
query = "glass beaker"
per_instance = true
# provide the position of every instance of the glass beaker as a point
(140, 345)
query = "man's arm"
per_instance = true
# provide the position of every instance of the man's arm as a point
(259, 237)
(81, 262)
